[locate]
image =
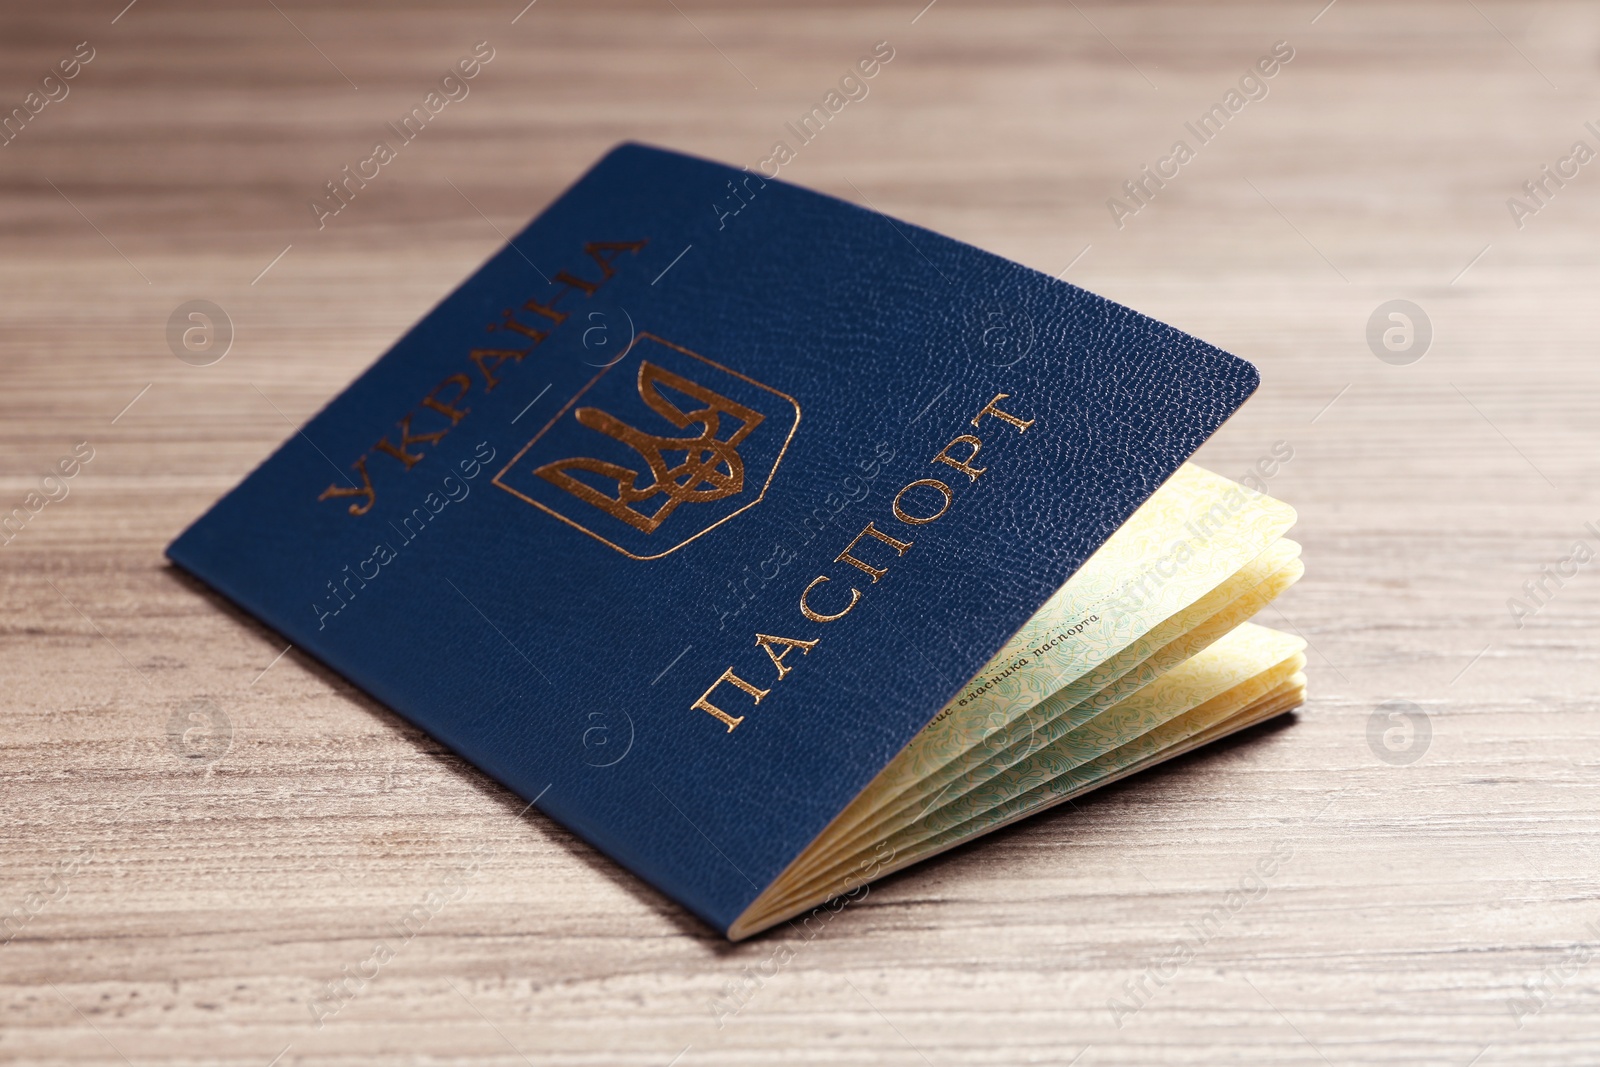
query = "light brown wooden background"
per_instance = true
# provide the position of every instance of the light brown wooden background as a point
(203, 907)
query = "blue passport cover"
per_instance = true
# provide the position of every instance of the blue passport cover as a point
(584, 521)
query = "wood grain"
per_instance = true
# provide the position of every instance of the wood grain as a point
(167, 910)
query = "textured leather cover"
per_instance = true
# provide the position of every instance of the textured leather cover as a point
(826, 351)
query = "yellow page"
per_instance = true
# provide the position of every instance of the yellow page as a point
(1194, 532)
(1193, 629)
(1218, 682)
(1247, 655)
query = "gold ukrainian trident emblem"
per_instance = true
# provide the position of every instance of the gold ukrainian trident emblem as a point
(711, 468)
(606, 464)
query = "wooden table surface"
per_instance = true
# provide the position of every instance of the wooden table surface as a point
(203, 840)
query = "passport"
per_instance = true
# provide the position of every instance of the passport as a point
(769, 543)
